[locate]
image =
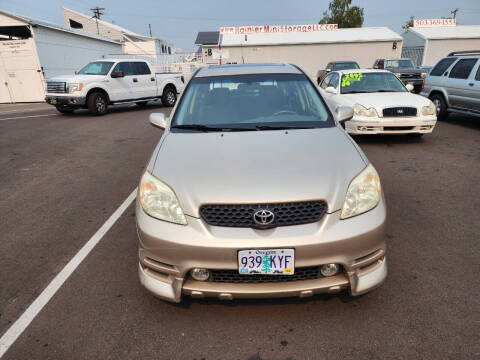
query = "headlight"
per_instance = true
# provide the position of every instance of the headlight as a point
(430, 109)
(72, 87)
(159, 200)
(363, 193)
(423, 75)
(363, 111)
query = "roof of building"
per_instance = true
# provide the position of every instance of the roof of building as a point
(447, 32)
(207, 38)
(366, 34)
(243, 69)
(50, 25)
(116, 27)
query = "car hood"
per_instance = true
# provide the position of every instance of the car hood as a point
(380, 101)
(76, 78)
(258, 167)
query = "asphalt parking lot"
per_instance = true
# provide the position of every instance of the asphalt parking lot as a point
(62, 177)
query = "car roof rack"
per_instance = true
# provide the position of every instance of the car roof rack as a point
(466, 52)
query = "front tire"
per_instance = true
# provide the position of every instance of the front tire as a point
(97, 103)
(169, 97)
(440, 106)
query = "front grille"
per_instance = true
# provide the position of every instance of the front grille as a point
(410, 76)
(399, 111)
(241, 215)
(232, 276)
(398, 128)
(56, 87)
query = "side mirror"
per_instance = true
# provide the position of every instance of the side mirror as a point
(331, 90)
(328, 70)
(410, 87)
(158, 120)
(117, 75)
(344, 113)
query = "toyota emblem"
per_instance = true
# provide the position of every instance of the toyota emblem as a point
(263, 217)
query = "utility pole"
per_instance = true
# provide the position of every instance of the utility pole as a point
(97, 12)
(150, 29)
(454, 12)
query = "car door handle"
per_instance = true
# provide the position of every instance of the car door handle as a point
(471, 84)
(152, 79)
(135, 80)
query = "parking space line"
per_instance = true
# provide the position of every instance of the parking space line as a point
(39, 303)
(29, 116)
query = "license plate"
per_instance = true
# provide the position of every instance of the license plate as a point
(267, 262)
(53, 101)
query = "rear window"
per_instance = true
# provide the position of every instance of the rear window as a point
(442, 66)
(347, 65)
(463, 68)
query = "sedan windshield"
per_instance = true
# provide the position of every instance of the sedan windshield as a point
(96, 68)
(371, 82)
(251, 102)
(399, 63)
(346, 65)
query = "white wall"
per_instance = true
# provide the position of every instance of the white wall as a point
(314, 57)
(90, 25)
(437, 49)
(63, 53)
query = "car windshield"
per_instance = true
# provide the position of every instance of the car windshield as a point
(97, 68)
(251, 102)
(370, 82)
(345, 65)
(404, 63)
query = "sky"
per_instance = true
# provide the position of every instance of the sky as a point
(179, 21)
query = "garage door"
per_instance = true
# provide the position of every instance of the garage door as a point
(22, 74)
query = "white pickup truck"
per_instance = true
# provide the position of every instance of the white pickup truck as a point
(112, 81)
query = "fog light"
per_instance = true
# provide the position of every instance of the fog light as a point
(329, 269)
(200, 274)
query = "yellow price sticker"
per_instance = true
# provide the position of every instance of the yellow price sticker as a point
(348, 79)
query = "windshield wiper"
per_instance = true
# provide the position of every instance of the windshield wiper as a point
(209, 128)
(281, 127)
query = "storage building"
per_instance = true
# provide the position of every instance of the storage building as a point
(312, 50)
(426, 45)
(34, 50)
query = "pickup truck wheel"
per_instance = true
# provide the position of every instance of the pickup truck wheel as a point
(440, 105)
(169, 97)
(64, 110)
(142, 103)
(97, 103)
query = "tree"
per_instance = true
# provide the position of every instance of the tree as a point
(408, 24)
(339, 12)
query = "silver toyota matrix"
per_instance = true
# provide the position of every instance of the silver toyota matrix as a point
(255, 190)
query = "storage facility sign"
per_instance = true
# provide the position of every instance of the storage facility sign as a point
(434, 22)
(277, 28)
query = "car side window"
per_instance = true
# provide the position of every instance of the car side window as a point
(325, 81)
(141, 68)
(329, 66)
(442, 66)
(463, 68)
(380, 64)
(334, 80)
(477, 77)
(123, 67)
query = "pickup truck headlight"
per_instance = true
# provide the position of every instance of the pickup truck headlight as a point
(423, 75)
(429, 109)
(72, 87)
(159, 201)
(361, 110)
(363, 193)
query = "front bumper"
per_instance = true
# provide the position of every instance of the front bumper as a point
(167, 252)
(396, 125)
(65, 100)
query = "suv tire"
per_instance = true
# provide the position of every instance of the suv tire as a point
(97, 103)
(440, 105)
(169, 97)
